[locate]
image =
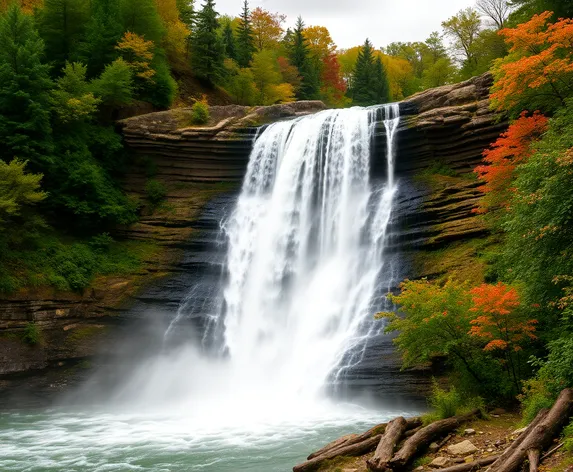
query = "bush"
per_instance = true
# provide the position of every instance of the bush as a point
(32, 334)
(568, 437)
(200, 113)
(155, 192)
(445, 403)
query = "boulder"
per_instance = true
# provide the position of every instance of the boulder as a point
(439, 462)
(462, 449)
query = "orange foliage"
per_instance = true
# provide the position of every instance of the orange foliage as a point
(334, 86)
(511, 149)
(541, 54)
(267, 28)
(138, 53)
(28, 6)
(497, 320)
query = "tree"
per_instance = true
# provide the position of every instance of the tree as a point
(369, 85)
(103, 30)
(245, 38)
(512, 148)
(525, 9)
(319, 41)
(381, 86)
(440, 73)
(436, 48)
(333, 86)
(463, 28)
(61, 25)
(267, 28)
(496, 10)
(229, 42)
(267, 79)
(25, 85)
(538, 73)
(206, 46)
(138, 54)
(241, 84)
(307, 67)
(18, 190)
(176, 34)
(115, 85)
(186, 10)
(141, 17)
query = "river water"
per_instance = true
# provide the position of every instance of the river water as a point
(305, 271)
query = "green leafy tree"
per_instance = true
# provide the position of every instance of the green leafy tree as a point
(266, 76)
(308, 67)
(103, 31)
(25, 129)
(463, 29)
(206, 46)
(141, 17)
(240, 83)
(62, 26)
(245, 38)
(440, 73)
(114, 87)
(525, 9)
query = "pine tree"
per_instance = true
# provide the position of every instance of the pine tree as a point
(369, 83)
(229, 42)
(103, 31)
(245, 44)
(141, 17)
(382, 87)
(309, 69)
(25, 130)
(62, 26)
(206, 46)
(186, 10)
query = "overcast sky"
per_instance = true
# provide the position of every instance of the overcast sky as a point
(351, 21)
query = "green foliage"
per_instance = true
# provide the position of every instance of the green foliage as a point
(18, 190)
(438, 168)
(449, 403)
(162, 90)
(229, 42)
(308, 67)
(536, 397)
(32, 334)
(114, 87)
(141, 17)
(155, 191)
(186, 9)
(527, 8)
(369, 84)
(206, 46)
(241, 85)
(25, 130)
(568, 437)
(200, 113)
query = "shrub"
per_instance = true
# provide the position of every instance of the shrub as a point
(568, 437)
(155, 192)
(200, 113)
(32, 334)
(445, 403)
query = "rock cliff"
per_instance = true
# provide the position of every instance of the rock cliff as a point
(443, 128)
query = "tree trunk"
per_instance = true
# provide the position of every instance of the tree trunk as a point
(539, 436)
(471, 466)
(359, 449)
(533, 456)
(424, 437)
(344, 440)
(386, 446)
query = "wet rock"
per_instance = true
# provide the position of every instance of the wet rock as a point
(462, 449)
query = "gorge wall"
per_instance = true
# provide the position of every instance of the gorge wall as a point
(201, 168)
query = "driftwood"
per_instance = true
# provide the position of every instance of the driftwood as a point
(411, 423)
(386, 446)
(533, 455)
(352, 450)
(423, 437)
(540, 436)
(471, 466)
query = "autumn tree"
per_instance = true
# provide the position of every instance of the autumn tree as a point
(176, 34)
(267, 28)
(333, 87)
(268, 80)
(538, 72)
(206, 45)
(512, 148)
(319, 41)
(138, 53)
(245, 37)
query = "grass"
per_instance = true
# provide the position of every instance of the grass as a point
(448, 403)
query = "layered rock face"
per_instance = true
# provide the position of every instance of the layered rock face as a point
(201, 167)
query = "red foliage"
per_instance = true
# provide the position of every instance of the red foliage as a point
(511, 149)
(332, 78)
(497, 320)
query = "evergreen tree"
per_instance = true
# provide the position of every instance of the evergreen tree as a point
(206, 45)
(62, 26)
(381, 87)
(103, 31)
(25, 130)
(186, 10)
(369, 83)
(229, 42)
(141, 17)
(309, 69)
(245, 45)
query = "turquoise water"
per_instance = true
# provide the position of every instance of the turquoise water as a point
(56, 440)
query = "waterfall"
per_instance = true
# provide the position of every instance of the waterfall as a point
(305, 260)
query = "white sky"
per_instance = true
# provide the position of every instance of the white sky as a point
(351, 21)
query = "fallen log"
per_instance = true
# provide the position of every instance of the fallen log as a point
(423, 437)
(350, 439)
(541, 435)
(386, 446)
(471, 466)
(411, 432)
(359, 449)
(538, 419)
(533, 456)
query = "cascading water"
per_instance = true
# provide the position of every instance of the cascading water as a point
(306, 245)
(305, 272)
